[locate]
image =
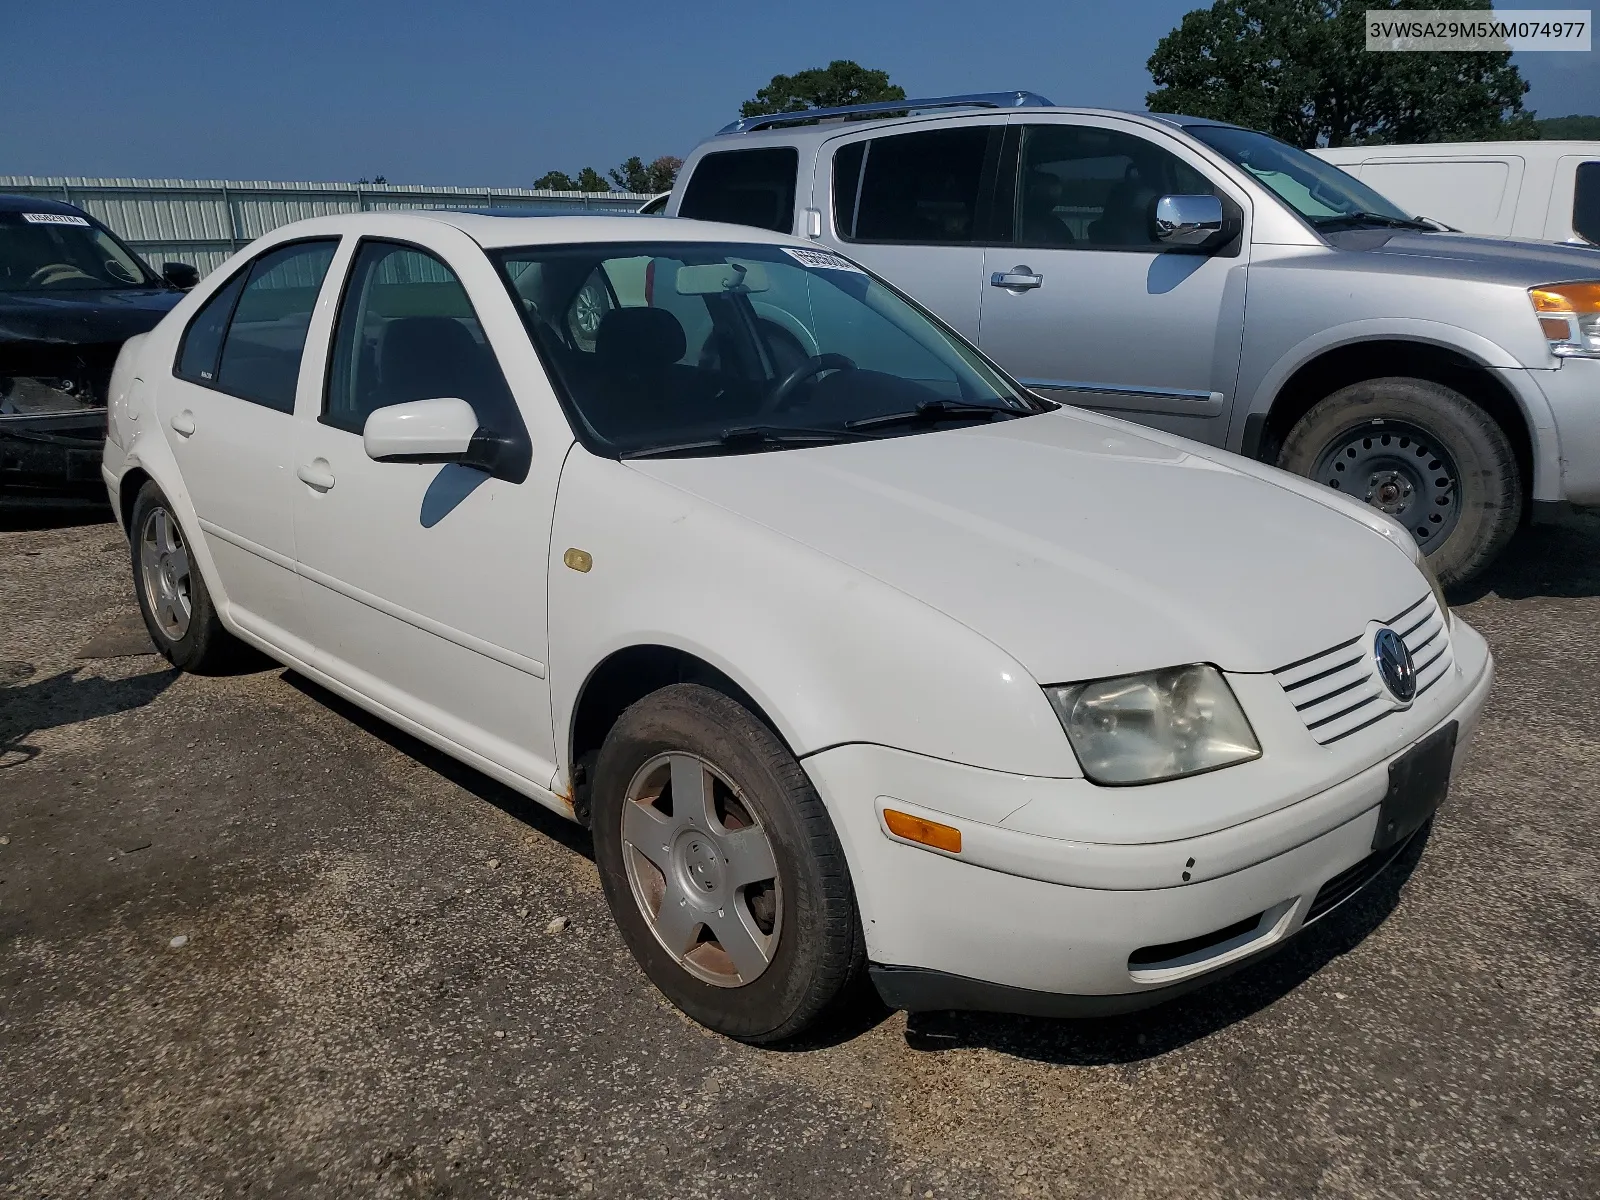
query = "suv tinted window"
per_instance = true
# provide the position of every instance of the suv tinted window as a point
(1095, 188)
(407, 331)
(744, 187)
(261, 352)
(1586, 203)
(202, 341)
(911, 187)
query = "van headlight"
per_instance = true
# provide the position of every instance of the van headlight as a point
(1154, 726)
(1569, 315)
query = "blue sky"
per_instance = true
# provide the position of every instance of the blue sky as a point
(492, 93)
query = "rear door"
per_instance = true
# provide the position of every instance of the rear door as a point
(228, 411)
(916, 208)
(1084, 305)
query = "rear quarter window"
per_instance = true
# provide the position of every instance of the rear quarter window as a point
(1586, 203)
(744, 187)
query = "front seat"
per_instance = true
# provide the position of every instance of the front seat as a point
(635, 350)
(1129, 211)
(423, 358)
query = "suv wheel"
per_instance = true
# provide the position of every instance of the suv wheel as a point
(1424, 454)
(173, 599)
(721, 866)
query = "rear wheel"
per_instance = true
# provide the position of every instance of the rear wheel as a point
(722, 867)
(173, 598)
(1425, 455)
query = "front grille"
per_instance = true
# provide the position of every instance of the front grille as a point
(1337, 691)
(1348, 882)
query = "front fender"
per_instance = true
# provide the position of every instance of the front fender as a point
(831, 655)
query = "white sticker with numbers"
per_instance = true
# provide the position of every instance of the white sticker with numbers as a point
(53, 219)
(821, 260)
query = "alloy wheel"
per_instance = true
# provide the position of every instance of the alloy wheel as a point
(164, 573)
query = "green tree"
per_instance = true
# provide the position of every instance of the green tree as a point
(1573, 128)
(635, 175)
(556, 181)
(590, 180)
(1300, 69)
(840, 82)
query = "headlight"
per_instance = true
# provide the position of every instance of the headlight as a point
(1569, 315)
(1160, 725)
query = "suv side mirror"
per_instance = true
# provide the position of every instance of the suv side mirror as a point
(1189, 222)
(180, 275)
(444, 430)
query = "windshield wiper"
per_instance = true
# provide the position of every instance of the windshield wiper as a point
(1374, 219)
(740, 436)
(936, 410)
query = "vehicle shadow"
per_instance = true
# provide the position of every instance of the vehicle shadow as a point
(491, 791)
(1156, 1031)
(29, 705)
(1561, 560)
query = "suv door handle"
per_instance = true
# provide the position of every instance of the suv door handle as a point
(316, 474)
(183, 423)
(1018, 279)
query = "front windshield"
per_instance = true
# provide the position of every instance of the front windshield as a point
(698, 347)
(1317, 190)
(59, 252)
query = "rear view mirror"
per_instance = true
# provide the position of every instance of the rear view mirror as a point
(713, 279)
(444, 430)
(180, 275)
(1189, 222)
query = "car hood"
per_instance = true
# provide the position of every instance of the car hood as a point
(1518, 261)
(1081, 545)
(89, 317)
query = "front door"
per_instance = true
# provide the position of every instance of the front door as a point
(228, 414)
(424, 583)
(1086, 307)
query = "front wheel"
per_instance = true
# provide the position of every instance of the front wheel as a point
(1425, 455)
(721, 866)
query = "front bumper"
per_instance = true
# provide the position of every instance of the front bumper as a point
(1019, 922)
(1573, 394)
(54, 453)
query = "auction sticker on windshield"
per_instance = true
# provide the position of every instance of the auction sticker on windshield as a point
(53, 219)
(821, 260)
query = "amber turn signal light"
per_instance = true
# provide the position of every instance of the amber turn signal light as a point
(929, 833)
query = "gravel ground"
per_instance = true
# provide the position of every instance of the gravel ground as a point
(254, 943)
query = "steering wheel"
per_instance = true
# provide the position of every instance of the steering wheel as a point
(55, 273)
(814, 365)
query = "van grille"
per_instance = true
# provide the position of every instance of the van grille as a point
(1337, 691)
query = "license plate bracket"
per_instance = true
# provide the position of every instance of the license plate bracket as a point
(1418, 782)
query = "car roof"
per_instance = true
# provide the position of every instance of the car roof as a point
(494, 231)
(833, 127)
(38, 204)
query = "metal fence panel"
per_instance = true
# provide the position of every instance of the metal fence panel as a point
(203, 221)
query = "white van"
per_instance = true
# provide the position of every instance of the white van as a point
(1544, 190)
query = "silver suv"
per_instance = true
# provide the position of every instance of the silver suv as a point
(1214, 282)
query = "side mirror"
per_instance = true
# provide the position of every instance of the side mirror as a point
(444, 430)
(1189, 222)
(180, 275)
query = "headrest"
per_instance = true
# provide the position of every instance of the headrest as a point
(424, 357)
(639, 339)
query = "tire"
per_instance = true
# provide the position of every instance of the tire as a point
(1439, 464)
(803, 923)
(173, 598)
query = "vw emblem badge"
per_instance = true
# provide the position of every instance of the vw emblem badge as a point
(1395, 668)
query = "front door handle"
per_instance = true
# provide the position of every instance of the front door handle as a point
(183, 424)
(316, 474)
(1018, 279)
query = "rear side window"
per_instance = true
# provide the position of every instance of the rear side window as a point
(202, 341)
(912, 187)
(1586, 203)
(261, 352)
(744, 187)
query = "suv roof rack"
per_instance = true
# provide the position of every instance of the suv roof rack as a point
(972, 100)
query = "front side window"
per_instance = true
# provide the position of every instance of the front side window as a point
(247, 339)
(1325, 196)
(716, 348)
(912, 187)
(744, 187)
(1586, 203)
(61, 252)
(407, 331)
(1090, 188)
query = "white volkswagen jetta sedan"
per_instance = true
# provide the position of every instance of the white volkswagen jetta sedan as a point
(852, 654)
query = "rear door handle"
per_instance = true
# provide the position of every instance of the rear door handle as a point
(183, 424)
(1018, 279)
(316, 474)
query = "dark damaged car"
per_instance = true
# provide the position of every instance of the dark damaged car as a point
(71, 293)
